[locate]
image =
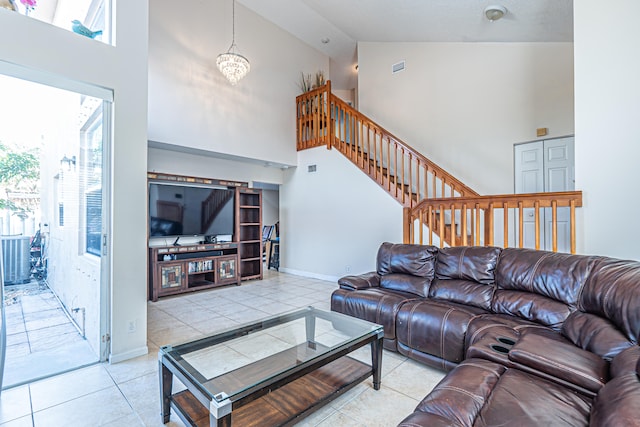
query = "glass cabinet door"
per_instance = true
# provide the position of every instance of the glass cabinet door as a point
(171, 275)
(227, 269)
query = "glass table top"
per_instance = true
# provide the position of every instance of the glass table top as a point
(237, 360)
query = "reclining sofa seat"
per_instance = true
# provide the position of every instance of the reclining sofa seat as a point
(517, 313)
(462, 295)
(432, 330)
(403, 273)
(480, 393)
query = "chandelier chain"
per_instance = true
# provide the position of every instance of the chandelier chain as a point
(233, 22)
(231, 64)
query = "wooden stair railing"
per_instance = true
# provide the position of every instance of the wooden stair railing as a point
(324, 119)
(211, 207)
(472, 220)
(433, 198)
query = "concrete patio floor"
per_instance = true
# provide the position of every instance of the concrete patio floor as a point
(41, 340)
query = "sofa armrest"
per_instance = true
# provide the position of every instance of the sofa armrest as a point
(362, 281)
(561, 360)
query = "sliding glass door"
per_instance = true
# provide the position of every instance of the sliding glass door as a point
(54, 202)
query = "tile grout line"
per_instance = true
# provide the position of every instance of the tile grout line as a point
(33, 420)
(24, 323)
(124, 396)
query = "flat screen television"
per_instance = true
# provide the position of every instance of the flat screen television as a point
(190, 210)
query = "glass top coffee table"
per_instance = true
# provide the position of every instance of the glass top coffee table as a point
(272, 372)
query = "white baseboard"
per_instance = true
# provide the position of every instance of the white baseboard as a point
(311, 275)
(141, 351)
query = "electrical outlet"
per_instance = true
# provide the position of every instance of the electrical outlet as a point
(347, 269)
(132, 326)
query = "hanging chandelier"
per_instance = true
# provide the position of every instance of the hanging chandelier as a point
(231, 64)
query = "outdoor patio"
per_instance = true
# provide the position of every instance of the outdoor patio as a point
(41, 339)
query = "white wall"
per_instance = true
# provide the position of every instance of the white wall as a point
(177, 163)
(333, 221)
(53, 54)
(464, 105)
(607, 133)
(190, 102)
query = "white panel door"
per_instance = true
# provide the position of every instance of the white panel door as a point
(545, 166)
(559, 176)
(529, 178)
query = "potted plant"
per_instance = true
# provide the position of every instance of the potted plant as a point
(307, 83)
(8, 4)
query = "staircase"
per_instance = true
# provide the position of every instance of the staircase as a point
(438, 208)
(211, 207)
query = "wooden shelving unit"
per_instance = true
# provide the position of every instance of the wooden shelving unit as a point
(178, 269)
(249, 232)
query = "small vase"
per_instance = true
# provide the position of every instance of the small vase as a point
(9, 4)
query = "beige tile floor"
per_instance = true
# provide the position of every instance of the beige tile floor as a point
(127, 394)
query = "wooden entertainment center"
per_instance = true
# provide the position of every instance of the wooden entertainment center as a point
(204, 265)
(178, 269)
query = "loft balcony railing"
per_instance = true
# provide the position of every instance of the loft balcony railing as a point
(535, 220)
(437, 205)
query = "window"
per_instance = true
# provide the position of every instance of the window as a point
(93, 200)
(91, 175)
(88, 18)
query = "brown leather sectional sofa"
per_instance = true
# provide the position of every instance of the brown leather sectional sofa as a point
(529, 337)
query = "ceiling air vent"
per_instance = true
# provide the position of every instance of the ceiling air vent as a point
(397, 67)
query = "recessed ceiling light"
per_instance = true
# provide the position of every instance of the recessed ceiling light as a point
(325, 40)
(495, 12)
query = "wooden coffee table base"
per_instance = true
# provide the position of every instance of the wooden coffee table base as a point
(288, 404)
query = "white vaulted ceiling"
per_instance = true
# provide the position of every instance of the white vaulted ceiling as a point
(346, 22)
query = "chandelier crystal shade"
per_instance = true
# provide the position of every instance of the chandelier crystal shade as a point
(232, 65)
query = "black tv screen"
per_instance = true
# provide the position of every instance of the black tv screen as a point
(190, 210)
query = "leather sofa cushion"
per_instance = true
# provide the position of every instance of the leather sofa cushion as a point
(462, 291)
(525, 400)
(376, 305)
(406, 268)
(419, 286)
(561, 360)
(540, 286)
(612, 292)
(473, 263)
(617, 402)
(627, 362)
(419, 418)
(482, 393)
(465, 274)
(461, 395)
(363, 281)
(530, 306)
(434, 327)
(416, 260)
(595, 334)
(557, 276)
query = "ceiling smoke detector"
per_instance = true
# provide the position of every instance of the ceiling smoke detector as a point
(495, 12)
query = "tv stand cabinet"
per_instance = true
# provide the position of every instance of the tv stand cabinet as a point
(178, 269)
